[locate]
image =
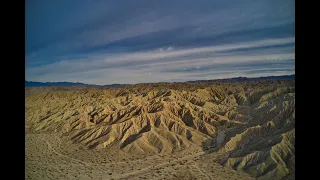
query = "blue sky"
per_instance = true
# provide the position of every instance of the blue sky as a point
(137, 41)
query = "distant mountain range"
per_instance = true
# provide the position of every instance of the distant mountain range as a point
(245, 79)
(46, 84)
(38, 84)
(230, 80)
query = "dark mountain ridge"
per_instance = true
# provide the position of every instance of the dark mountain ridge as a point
(229, 80)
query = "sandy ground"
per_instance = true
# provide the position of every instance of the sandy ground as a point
(50, 157)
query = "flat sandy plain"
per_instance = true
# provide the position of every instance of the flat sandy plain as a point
(49, 157)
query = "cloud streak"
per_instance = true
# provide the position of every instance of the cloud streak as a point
(107, 42)
(168, 65)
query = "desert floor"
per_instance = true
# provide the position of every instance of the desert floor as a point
(49, 157)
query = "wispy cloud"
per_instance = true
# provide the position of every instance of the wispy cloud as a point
(129, 42)
(168, 65)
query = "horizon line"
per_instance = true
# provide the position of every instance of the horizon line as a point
(161, 81)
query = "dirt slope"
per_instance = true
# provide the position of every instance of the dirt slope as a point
(250, 124)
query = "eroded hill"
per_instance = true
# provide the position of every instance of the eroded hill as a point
(247, 126)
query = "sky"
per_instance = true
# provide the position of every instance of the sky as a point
(138, 41)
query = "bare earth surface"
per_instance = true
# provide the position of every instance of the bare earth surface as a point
(47, 158)
(162, 131)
